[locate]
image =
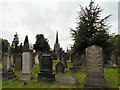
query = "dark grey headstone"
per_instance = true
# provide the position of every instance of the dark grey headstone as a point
(60, 67)
(76, 63)
(94, 66)
(46, 68)
(64, 59)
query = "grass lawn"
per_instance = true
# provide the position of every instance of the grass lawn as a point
(111, 75)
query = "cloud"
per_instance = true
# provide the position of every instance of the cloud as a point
(31, 17)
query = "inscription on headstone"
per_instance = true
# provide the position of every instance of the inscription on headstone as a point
(94, 66)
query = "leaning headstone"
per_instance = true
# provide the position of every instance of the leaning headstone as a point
(27, 62)
(60, 67)
(7, 72)
(46, 68)
(18, 61)
(68, 80)
(76, 64)
(94, 65)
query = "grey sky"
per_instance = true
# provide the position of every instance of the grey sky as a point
(31, 17)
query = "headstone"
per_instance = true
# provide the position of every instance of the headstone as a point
(36, 58)
(64, 59)
(46, 68)
(4, 61)
(7, 72)
(83, 59)
(68, 80)
(18, 61)
(76, 64)
(60, 67)
(113, 59)
(26, 62)
(8, 62)
(94, 65)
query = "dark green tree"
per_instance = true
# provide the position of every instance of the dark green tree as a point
(5, 45)
(91, 29)
(116, 45)
(41, 44)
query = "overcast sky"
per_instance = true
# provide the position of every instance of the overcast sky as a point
(31, 17)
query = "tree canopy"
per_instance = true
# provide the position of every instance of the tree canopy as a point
(91, 28)
(5, 45)
(41, 44)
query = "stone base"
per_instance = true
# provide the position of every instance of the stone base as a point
(95, 83)
(26, 77)
(46, 76)
(8, 75)
(75, 69)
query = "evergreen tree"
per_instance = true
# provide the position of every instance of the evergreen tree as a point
(41, 44)
(91, 29)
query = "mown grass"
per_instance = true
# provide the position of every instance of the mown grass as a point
(111, 75)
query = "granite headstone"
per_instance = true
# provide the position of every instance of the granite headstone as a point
(94, 65)
(46, 68)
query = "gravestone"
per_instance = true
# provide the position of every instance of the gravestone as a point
(113, 59)
(83, 59)
(26, 62)
(46, 68)
(18, 61)
(68, 80)
(94, 65)
(60, 67)
(64, 59)
(7, 72)
(36, 58)
(76, 63)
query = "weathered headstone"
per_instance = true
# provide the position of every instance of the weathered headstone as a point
(94, 65)
(113, 59)
(4, 61)
(18, 61)
(76, 63)
(46, 68)
(7, 72)
(64, 59)
(26, 62)
(60, 67)
(83, 59)
(68, 80)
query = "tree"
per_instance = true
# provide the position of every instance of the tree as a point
(116, 45)
(41, 44)
(91, 29)
(5, 45)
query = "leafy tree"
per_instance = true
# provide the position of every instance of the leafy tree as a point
(116, 45)
(91, 29)
(41, 44)
(5, 45)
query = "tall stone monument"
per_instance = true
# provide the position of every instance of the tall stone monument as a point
(94, 65)
(26, 62)
(46, 68)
